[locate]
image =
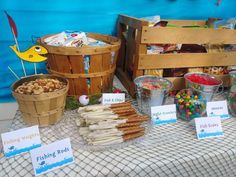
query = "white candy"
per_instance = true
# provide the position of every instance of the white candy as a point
(84, 100)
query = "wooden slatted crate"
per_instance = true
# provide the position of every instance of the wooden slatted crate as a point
(69, 63)
(135, 35)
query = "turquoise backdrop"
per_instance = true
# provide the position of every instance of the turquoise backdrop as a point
(35, 18)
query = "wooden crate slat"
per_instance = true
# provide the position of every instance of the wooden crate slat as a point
(140, 48)
(126, 81)
(165, 35)
(186, 22)
(132, 22)
(154, 35)
(183, 60)
(130, 49)
(121, 30)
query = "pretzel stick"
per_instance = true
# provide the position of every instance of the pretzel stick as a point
(120, 104)
(125, 114)
(131, 130)
(133, 135)
(122, 108)
(128, 124)
(107, 124)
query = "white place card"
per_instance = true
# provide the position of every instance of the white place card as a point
(20, 141)
(111, 98)
(163, 114)
(218, 109)
(52, 156)
(208, 127)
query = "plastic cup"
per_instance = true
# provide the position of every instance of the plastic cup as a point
(232, 78)
(190, 104)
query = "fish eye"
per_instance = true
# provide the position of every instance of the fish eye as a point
(37, 49)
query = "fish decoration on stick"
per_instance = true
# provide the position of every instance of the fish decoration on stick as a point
(110, 124)
(34, 54)
(15, 35)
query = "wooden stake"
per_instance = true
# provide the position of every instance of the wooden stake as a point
(35, 69)
(17, 46)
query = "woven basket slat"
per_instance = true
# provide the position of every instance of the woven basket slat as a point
(106, 63)
(43, 106)
(80, 84)
(53, 103)
(64, 66)
(52, 62)
(29, 106)
(45, 120)
(95, 66)
(28, 119)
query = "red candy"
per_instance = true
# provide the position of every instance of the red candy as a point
(205, 80)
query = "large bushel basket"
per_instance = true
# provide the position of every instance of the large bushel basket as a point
(69, 62)
(43, 109)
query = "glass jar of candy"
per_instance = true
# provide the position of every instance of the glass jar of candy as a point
(232, 78)
(190, 104)
(232, 100)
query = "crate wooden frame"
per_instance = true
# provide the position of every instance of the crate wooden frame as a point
(44, 109)
(68, 62)
(135, 34)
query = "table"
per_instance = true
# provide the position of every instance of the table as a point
(168, 150)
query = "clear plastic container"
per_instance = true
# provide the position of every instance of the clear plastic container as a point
(151, 91)
(190, 104)
(232, 78)
(232, 100)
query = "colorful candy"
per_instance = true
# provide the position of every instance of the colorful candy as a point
(150, 85)
(202, 79)
(190, 104)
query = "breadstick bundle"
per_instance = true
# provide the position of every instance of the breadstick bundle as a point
(109, 124)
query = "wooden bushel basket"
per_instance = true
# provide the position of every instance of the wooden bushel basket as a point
(43, 109)
(69, 63)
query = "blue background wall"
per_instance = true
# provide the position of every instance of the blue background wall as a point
(40, 17)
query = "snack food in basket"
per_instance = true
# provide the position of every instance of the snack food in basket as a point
(110, 124)
(40, 85)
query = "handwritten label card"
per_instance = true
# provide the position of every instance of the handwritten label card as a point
(111, 98)
(163, 114)
(20, 141)
(208, 127)
(218, 109)
(52, 156)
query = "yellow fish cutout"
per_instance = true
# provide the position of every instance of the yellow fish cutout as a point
(34, 54)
